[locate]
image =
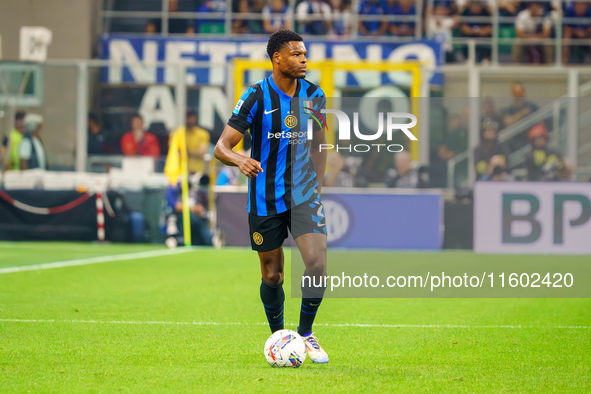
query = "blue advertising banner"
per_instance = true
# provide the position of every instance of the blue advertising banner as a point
(384, 221)
(183, 50)
(354, 220)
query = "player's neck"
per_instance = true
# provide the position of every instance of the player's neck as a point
(285, 84)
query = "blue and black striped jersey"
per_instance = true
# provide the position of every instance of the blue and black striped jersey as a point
(279, 144)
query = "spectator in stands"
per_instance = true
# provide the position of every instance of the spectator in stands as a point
(12, 142)
(276, 16)
(31, 150)
(151, 28)
(180, 25)
(456, 137)
(198, 143)
(489, 146)
(337, 174)
(376, 27)
(211, 25)
(520, 108)
(508, 8)
(314, 17)
(543, 163)
(342, 22)
(580, 30)
(439, 156)
(489, 111)
(440, 24)
(533, 23)
(239, 25)
(406, 28)
(404, 173)
(201, 234)
(99, 140)
(139, 142)
(477, 29)
(497, 170)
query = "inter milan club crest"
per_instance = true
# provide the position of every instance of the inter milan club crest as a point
(291, 121)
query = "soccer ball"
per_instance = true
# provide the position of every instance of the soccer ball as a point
(285, 348)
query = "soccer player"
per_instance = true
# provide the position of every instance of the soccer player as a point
(285, 174)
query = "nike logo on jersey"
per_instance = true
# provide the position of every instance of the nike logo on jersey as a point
(268, 112)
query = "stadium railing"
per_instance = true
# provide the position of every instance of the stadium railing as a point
(503, 31)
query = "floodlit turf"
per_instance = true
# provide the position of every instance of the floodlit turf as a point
(147, 325)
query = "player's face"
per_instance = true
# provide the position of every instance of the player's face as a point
(292, 62)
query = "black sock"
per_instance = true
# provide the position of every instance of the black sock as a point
(273, 298)
(311, 300)
(307, 314)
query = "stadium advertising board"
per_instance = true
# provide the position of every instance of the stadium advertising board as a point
(144, 51)
(536, 218)
(367, 220)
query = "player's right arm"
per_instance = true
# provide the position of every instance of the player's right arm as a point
(224, 152)
(241, 119)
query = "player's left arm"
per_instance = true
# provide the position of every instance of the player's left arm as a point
(316, 154)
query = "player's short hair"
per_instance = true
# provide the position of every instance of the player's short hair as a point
(279, 39)
(19, 115)
(136, 115)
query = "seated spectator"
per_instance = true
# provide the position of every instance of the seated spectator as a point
(440, 24)
(276, 16)
(99, 139)
(314, 17)
(488, 147)
(531, 23)
(201, 234)
(497, 170)
(342, 22)
(404, 173)
(12, 142)
(405, 28)
(211, 26)
(197, 140)
(543, 163)
(508, 8)
(139, 142)
(31, 150)
(239, 25)
(376, 27)
(180, 25)
(151, 28)
(488, 110)
(580, 30)
(519, 108)
(456, 137)
(337, 173)
(477, 29)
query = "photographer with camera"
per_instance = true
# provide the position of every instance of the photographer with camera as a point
(543, 163)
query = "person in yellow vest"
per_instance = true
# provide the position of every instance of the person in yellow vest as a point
(198, 142)
(13, 142)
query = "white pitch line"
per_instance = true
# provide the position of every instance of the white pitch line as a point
(352, 325)
(95, 260)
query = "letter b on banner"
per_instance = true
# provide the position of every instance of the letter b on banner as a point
(509, 218)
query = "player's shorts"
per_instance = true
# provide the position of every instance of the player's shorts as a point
(268, 232)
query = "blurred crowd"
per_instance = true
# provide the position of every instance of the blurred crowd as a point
(451, 22)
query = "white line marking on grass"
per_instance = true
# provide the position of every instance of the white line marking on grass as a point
(95, 260)
(353, 325)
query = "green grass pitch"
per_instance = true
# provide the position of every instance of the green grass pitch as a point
(193, 322)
